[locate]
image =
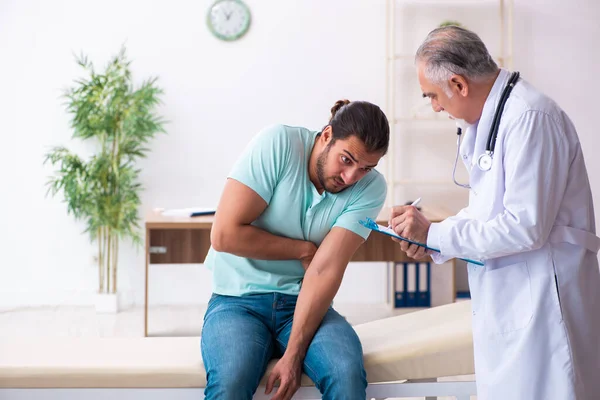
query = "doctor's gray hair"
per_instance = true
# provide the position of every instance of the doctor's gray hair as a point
(452, 50)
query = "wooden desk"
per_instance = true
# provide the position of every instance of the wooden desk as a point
(183, 240)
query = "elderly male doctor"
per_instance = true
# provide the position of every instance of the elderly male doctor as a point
(530, 219)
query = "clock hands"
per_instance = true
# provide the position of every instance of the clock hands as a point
(229, 19)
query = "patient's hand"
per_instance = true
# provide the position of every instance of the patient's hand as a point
(308, 254)
(288, 372)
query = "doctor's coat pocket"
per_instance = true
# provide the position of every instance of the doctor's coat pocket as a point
(506, 294)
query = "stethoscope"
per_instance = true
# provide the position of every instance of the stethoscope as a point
(484, 161)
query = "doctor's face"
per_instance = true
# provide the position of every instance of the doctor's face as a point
(446, 99)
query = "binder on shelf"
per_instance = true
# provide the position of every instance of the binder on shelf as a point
(412, 287)
(424, 284)
(400, 298)
(410, 274)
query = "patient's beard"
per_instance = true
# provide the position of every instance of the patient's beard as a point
(321, 160)
(321, 167)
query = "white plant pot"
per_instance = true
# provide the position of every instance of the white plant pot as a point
(107, 303)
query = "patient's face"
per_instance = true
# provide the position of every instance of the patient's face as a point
(342, 163)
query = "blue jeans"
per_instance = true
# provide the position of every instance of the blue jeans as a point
(242, 334)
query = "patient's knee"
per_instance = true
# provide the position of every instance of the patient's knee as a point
(348, 369)
(345, 380)
(231, 383)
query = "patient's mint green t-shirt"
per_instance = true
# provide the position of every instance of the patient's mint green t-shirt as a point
(275, 165)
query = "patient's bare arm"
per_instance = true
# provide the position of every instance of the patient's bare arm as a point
(321, 282)
(232, 233)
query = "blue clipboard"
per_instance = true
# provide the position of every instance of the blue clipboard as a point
(369, 223)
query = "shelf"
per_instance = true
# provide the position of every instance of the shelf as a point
(419, 119)
(443, 2)
(445, 182)
(499, 59)
(401, 57)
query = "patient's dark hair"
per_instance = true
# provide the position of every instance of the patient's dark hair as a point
(363, 120)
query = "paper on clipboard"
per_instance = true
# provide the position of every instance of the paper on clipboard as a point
(369, 223)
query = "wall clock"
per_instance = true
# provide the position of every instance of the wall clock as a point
(228, 19)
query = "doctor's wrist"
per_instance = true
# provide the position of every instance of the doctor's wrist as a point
(433, 235)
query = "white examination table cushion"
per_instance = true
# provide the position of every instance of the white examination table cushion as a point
(432, 343)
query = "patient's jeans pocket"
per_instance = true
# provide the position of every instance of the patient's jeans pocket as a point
(507, 298)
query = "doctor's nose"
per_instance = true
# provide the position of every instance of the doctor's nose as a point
(436, 107)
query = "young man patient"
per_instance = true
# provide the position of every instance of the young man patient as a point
(285, 229)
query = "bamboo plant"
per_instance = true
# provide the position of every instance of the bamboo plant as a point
(104, 190)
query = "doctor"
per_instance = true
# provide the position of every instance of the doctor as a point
(530, 218)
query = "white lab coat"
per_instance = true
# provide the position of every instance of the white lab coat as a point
(536, 302)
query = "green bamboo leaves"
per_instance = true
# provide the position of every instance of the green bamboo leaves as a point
(104, 190)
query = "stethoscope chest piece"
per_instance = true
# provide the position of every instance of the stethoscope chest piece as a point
(484, 162)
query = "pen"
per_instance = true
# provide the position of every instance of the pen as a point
(414, 203)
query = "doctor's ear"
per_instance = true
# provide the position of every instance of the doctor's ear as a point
(459, 85)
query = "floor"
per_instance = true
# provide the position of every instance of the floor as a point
(162, 321)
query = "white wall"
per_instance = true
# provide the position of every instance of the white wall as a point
(296, 61)
(557, 51)
(298, 58)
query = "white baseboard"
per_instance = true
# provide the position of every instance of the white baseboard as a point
(21, 299)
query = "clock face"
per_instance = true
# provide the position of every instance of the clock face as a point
(228, 19)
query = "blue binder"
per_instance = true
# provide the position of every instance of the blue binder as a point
(411, 281)
(424, 284)
(399, 287)
(412, 287)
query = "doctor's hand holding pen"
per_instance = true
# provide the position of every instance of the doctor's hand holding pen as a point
(409, 222)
